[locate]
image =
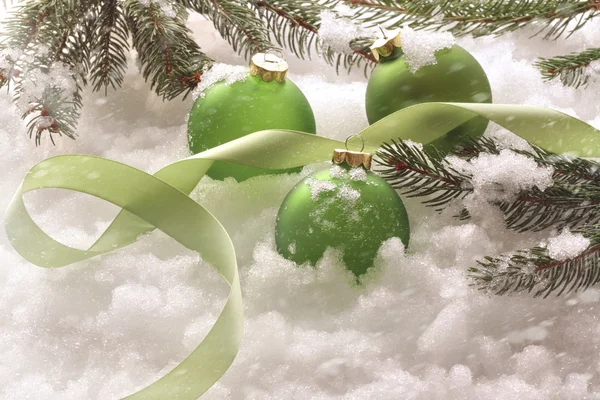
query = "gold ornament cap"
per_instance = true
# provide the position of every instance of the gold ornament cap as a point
(385, 46)
(269, 67)
(352, 158)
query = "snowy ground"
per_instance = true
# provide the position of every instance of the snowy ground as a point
(104, 328)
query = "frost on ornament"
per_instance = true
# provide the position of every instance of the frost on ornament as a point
(345, 192)
(355, 173)
(567, 245)
(317, 187)
(419, 47)
(219, 72)
(337, 29)
(500, 177)
(338, 172)
(358, 174)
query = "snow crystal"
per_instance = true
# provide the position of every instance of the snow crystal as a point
(354, 173)
(318, 186)
(337, 30)
(292, 248)
(348, 193)
(501, 177)
(219, 72)
(505, 139)
(567, 245)
(358, 174)
(338, 172)
(419, 47)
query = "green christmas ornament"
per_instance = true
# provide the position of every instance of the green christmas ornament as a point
(266, 99)
(455, 77)
(345, 207)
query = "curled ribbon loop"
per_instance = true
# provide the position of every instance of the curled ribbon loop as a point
(161, 201)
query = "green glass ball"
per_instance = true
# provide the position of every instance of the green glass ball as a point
(457, 77)
(337, 211)
(230, 111)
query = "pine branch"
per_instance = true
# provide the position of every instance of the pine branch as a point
(41, 38)
(237, 22)
(480, 18)
(293, 26)
(572, 201)
(571, 69)
(410, 169)
(296, 27)
(170, 59)
(109, 45)
(534, 271)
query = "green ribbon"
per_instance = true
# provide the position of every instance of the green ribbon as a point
(161, 201)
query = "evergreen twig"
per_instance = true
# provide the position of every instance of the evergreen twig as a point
(169, 58)
(571, 69)
(236, 22)
(461, 17)
(296, 27)
(534, 271)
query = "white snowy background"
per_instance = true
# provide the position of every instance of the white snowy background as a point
(103, 328)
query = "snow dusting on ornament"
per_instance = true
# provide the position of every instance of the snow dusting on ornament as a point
(219, 72)
(348, 193)
(358, 174)
(567, 245)
(318, 186)
(338, 172)
(419, 47)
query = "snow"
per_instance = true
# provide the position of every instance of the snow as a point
(318, 186)
(358, 174)
(336, 29)
(567, 245)
(419, 47)
(594, 71)
(415, 329)
(220, 72)
(165, 6)
(500, 177)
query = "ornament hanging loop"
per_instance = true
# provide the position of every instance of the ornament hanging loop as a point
(362, 141)
(352, 158)
(278, 53)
